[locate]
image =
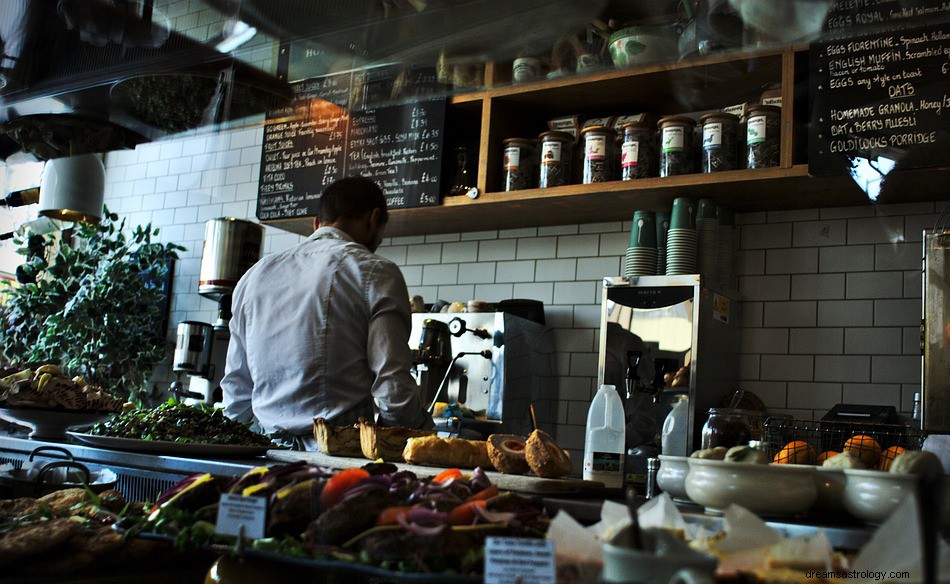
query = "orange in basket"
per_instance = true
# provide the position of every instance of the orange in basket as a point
(865, 448)
(795, 452)
(888, 456)
(825, 456)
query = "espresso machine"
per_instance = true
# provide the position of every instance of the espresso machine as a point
(496, 366)
(657, 325)
(231, 247)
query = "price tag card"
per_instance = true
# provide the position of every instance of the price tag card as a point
(521, 560)
(235, 511)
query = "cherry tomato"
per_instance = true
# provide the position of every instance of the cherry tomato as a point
(447, 474)
(390, 515)
(484, 494)
(339, 484)
(465, 513)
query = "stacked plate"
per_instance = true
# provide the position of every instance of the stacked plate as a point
(681, 251)
(641, 261)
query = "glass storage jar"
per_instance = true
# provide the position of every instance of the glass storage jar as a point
(726, 427)
(638, 151)
(720, 137)
(556, 156)
(763, 136)
(676, 145)
(599, 144)
(519, 164)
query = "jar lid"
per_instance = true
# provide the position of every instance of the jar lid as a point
(637, 125)
(762, 109)
(527, 141)
(597, 130)
(676, 120)
(724, 116)
(556, 134)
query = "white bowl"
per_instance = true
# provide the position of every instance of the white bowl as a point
(765, 489)
(671, 477)
(872, 495)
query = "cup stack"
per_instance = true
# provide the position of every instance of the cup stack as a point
(681, 239)
(725, 245)
(662, 229)
(707, 230)
(641, 254)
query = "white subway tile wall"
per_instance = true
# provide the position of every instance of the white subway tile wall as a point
(831, 297)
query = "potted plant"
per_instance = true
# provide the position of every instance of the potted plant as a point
(94, 303)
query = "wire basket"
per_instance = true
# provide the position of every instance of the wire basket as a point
(830, 436)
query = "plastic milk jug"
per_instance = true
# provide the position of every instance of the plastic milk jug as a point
(604, 445)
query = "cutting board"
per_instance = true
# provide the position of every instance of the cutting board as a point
(509, 482)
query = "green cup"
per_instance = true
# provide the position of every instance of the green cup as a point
(706, 209)
(662, 227)
(643, 232)
(684, 214)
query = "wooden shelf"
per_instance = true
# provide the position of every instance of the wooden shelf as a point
(497, 113)
(744, 190)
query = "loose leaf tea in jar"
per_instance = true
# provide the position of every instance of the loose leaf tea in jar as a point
(638, 151)
(519, 164)
(556, 150)
(763, 136)
(676, 145)
(720, 135)
(599, 143)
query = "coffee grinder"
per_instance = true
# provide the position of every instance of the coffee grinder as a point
(231, 247)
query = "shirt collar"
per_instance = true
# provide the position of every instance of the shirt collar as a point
(330, 233)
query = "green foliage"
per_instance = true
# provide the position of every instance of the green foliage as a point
(92, 306)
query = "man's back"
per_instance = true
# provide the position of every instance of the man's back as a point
(315, 330)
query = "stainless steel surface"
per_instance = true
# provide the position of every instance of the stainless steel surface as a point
(193, 348)
(935, 336)
(140, 476)
(519, 372)
(231, 246)
(680, 318)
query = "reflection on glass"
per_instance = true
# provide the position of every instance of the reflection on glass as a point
(869, 174)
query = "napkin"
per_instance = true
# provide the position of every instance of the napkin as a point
(897, 546)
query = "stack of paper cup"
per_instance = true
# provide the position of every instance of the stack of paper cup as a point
(641, 254)
(681, 239)
(725, 245)
(662, 229)
(707, 230)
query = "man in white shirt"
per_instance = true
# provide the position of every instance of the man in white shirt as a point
(321, 329)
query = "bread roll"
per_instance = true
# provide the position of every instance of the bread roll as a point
(447, 452)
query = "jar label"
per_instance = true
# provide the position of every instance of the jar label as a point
(712, 135)
(595, 147)
(756, 130)
(512, 158)
(672, 139)
(630, 154)
(550, 152)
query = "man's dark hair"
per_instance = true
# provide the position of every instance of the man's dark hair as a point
(351, 198)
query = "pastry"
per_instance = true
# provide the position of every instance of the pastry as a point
(386, 443)
(507, 453)
(917, 462)
(746, 454)
(545, 457)
(448, 452)
(337, 440)
(717, 453)
(844, 460)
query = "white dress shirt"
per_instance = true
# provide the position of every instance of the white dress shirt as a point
(321, 329)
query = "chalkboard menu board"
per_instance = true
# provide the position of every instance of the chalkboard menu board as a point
(880, 87)
(322, 137)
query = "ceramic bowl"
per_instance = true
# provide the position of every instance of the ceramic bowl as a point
(765, 489)
(830, 485)
(638, 45)
(872, 495)
(671, 477)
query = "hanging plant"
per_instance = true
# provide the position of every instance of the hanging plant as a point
(95, 305)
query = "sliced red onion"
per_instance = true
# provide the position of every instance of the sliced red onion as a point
(495, 516)
(427, 517)
(427, 531)
(479, 480)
